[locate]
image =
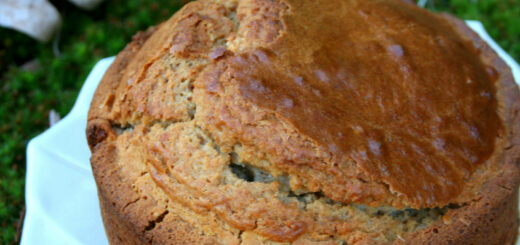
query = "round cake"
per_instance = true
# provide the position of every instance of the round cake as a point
(307, 122)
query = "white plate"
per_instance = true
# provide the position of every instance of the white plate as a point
(61, 199)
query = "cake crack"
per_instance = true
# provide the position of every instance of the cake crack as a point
(153, 223)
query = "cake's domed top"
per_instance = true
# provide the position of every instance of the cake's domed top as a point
(385, 99)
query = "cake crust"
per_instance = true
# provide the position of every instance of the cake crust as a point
(147, 145)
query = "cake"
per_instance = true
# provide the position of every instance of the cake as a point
(307, 122)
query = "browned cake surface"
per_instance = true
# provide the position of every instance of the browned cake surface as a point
(260, 121)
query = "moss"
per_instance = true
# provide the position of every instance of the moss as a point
(28, 96)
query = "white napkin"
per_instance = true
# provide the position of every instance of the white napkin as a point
(60, 192)
(61, 199)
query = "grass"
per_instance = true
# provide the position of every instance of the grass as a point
(29, 95)
(501, 18)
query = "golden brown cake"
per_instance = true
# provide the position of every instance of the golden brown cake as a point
(307, 122)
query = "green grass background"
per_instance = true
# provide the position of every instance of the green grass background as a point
(87, 36)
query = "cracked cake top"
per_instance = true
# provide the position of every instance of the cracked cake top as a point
(292, 117)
